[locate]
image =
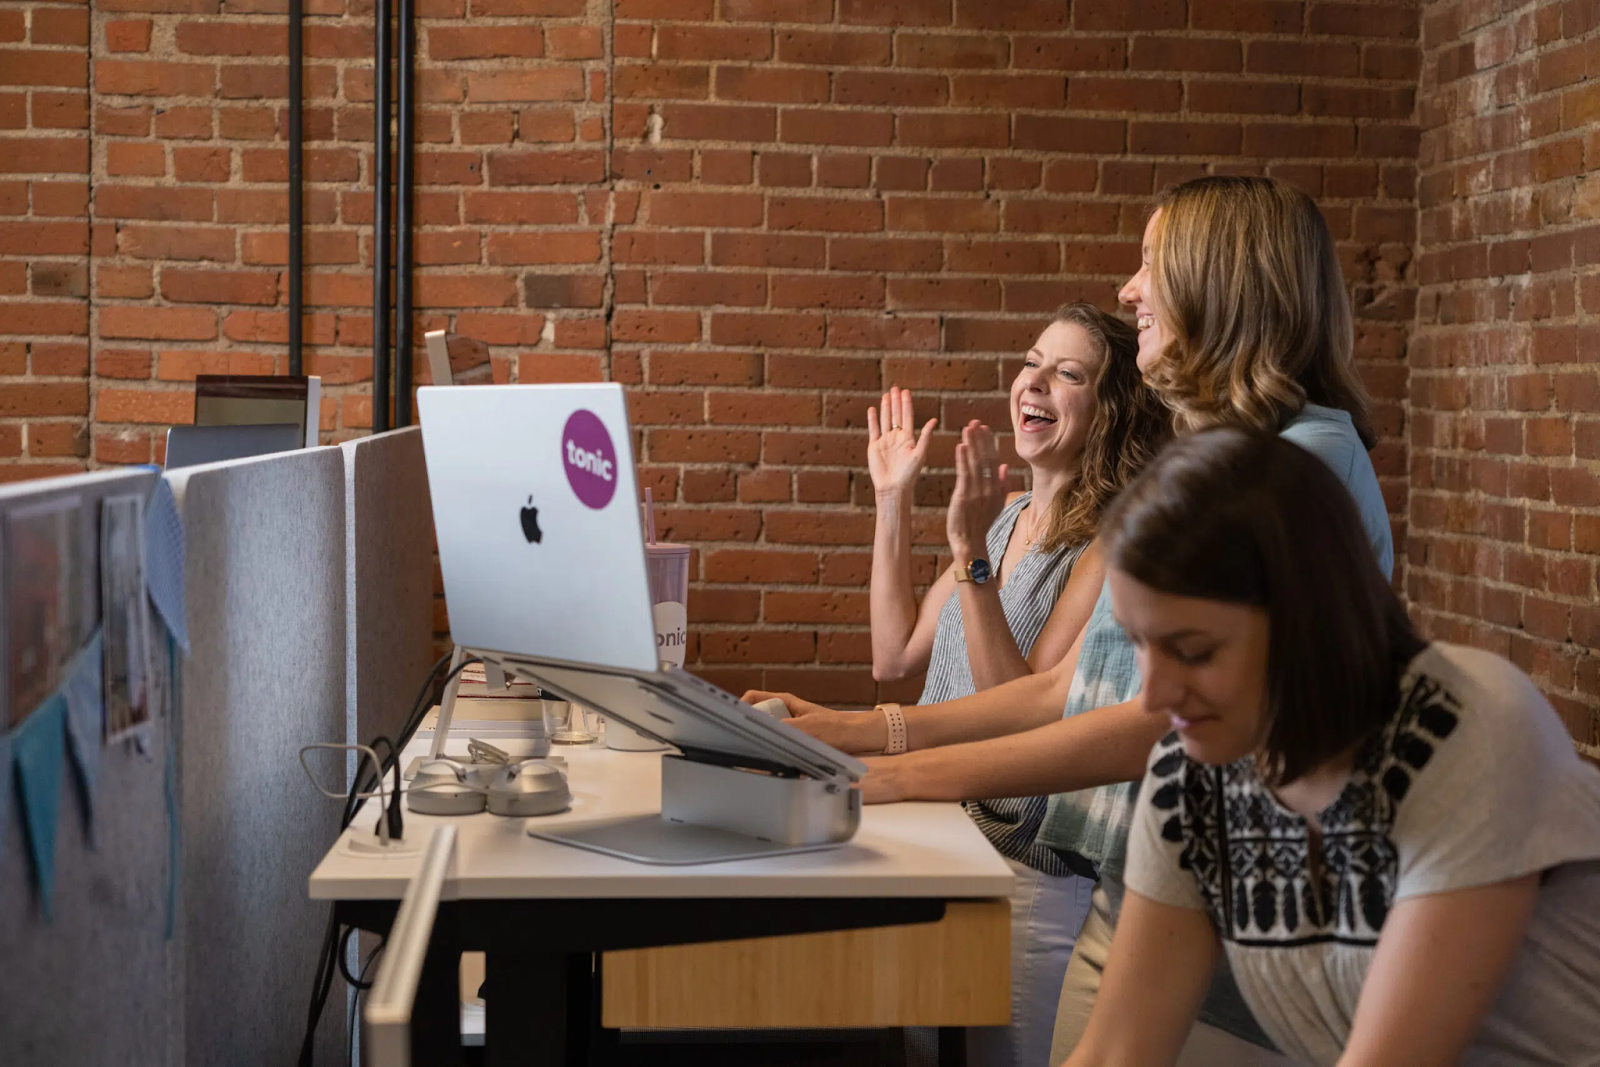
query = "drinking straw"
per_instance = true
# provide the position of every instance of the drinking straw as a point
(650, 515)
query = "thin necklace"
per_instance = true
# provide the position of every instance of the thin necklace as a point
(1027, 538)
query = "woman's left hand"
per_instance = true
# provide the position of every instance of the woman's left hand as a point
(980, 493)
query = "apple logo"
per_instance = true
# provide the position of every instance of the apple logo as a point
(530, 523)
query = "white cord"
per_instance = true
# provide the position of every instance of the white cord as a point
(364, 750)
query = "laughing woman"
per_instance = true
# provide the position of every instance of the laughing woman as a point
(1025, 577)
(1392, 841)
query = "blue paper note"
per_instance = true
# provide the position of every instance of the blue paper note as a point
(163, 559)
(86, 725)
(38, 748)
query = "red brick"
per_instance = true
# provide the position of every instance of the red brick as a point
(139, 78)
(776, 10)
(219, 287)
(831, 126)
(851, 48)
(125, 158)
(41, 67)
(704, 209)
(484, 42)
(718, 122)
(895, 12)
(167, 407)
(713, 42)
(888, 90)
(543, 83)
(820, 213)
(952, 130)
(661, 81)
(43, 399)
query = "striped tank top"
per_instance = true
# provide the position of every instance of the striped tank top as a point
(1028, 596)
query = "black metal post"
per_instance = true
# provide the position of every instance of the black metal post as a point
(296, 183)
(380, 217)
(405, 180)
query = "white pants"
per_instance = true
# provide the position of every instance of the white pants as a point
(1046, 913)
(1207, 1046)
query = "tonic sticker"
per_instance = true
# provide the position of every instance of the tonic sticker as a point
(590, 461)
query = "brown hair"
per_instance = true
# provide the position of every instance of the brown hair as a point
(1247, 278)
(1249, 518)
(1130, 426)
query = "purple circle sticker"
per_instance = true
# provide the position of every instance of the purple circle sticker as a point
(590, 460)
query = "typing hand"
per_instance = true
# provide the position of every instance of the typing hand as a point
(896, 451)
(980, 493)
(847, 731)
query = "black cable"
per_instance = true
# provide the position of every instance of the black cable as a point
(319, 992)
(361, 985)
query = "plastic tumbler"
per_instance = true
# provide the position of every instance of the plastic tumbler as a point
(667, 567)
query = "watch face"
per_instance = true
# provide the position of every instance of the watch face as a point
(980, 571)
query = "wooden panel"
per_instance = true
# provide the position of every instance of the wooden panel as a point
(955, 972)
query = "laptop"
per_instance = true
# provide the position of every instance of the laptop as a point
(190, 446)
(536, 509)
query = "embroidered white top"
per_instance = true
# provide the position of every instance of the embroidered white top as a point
(1474, 781)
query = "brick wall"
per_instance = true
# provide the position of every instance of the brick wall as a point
(1505, 391)
(44, 239)
(757, 213)
(837, 196)
(191, 164)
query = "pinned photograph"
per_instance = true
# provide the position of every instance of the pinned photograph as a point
(43, 609)
(127, 616)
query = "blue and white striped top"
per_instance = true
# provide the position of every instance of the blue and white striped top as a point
(1028, 597)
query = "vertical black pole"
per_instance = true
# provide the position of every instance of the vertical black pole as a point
(380, 218)
(296, 183)
(405, 179)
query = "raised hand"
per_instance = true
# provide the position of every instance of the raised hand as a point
(980, 492)
(895, 450)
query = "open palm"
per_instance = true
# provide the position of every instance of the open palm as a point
(895, 451)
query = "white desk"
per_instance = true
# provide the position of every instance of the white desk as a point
(901, 850)
(905, 864)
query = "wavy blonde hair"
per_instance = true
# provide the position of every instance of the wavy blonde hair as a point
(1130, 426)
(1248, 282)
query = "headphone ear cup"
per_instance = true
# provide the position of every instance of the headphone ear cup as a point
(442, 787)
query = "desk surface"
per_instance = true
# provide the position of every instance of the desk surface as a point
(901, 850)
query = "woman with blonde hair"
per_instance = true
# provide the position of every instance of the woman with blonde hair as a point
(1244, 321)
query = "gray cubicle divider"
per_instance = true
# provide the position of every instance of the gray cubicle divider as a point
(265, 578)
(97, 984)
(389, 580)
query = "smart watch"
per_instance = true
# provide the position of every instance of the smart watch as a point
(976, 572)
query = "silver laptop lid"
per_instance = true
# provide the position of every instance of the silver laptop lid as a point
(561, 595)
(537, 517)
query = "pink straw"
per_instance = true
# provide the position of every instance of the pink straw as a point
(650, 514)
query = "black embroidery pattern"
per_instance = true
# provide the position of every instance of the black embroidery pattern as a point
(1252, 858)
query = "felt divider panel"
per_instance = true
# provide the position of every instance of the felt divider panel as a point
(389, 580)
(98, 985)
(265, 577)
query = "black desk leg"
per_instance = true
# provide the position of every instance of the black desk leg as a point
(952, 1046)
(436, 1013)
(537, 1009)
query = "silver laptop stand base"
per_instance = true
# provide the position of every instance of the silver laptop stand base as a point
(712, 814)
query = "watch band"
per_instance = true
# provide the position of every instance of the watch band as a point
(897, 729)
(964, 573)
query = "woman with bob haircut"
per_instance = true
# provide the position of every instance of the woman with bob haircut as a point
(1243, 321)
(1085, 424)
(1394, 840)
